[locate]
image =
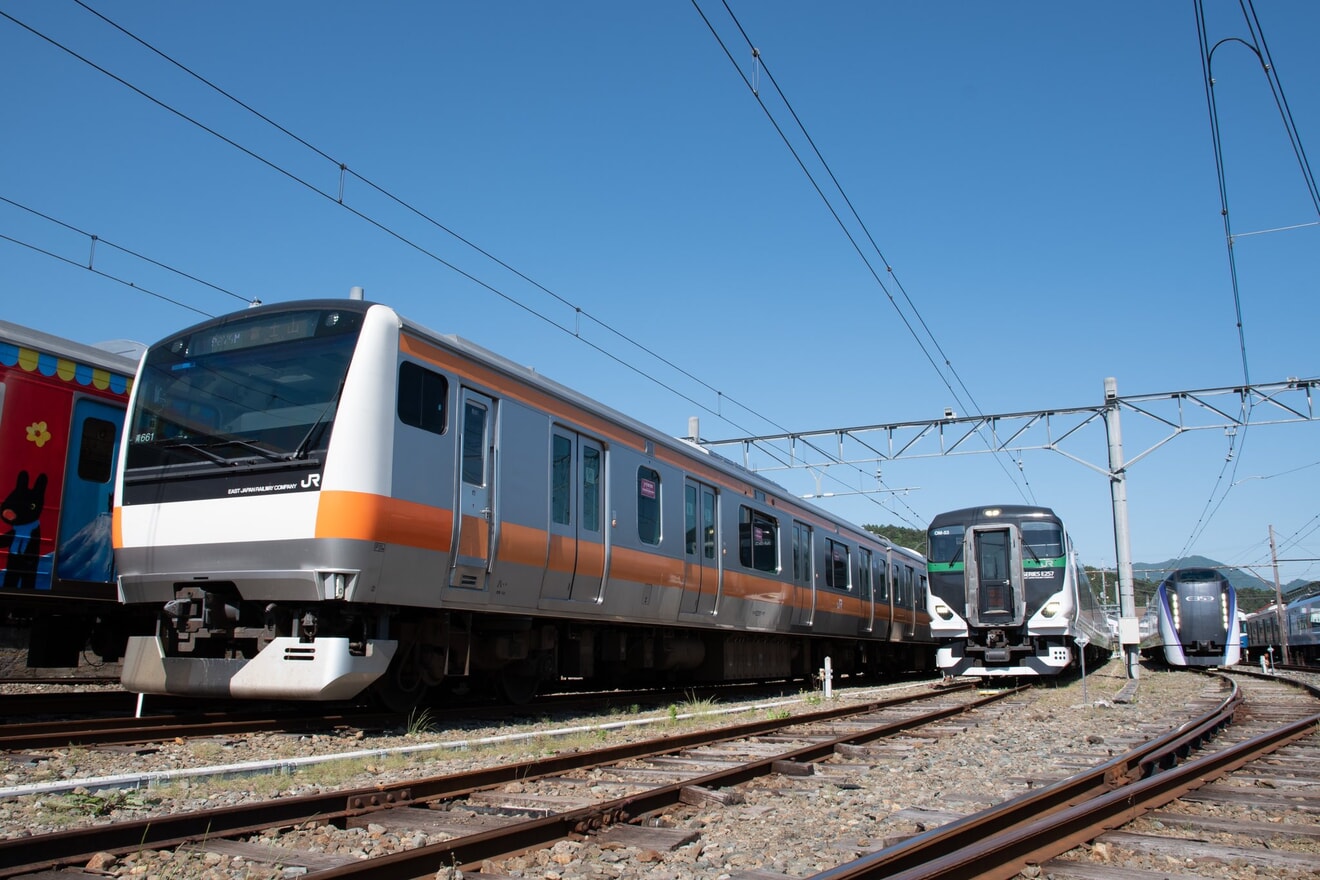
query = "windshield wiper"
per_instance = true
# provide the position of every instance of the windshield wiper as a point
(318, 426)
(248, 444)
(193, 447)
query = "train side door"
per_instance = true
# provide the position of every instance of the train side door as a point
(475, 529)
(995, 592)
(83, 552)
(804, 575)
(885, 589)
(865, 589)
(578, 552)
(701, 565)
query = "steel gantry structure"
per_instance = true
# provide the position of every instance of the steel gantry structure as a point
(1171, 415)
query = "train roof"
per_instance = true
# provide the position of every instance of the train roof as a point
(116, 359)
(1001, 512)
(1198, 573)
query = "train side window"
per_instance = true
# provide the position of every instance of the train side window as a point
(690, 519)
(836, 565)
(474, 444)
(591, 488)
(864, 572)
(758, 540)
(561, 480)
(708, 522)
(96, 450)
(801, 553)
(648, 505)
(422, 397)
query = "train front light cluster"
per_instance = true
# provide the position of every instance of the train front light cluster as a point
(1173, 611)
(1051, 608)
(943, 611)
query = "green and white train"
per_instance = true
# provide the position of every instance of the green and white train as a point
(1008, 596)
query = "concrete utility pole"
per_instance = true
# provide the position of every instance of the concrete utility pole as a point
(1129, 627)
(1278, 598)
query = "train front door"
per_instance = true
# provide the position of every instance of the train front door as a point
(578, 553)
(996, 598)
(476, 520)
(701, 565)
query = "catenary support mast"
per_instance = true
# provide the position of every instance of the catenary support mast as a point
(1129, 632)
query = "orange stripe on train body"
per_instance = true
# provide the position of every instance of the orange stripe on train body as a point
(362, 516)
(366, 517)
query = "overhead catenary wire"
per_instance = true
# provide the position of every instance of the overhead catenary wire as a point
(760, 65)
(1258, 47)
(388, 230)
(97, 239)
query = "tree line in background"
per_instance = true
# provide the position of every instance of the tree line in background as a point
(1250, 599)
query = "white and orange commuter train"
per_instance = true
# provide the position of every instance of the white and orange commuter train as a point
(323, 497)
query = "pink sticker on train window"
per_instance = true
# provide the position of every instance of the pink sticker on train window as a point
(646, 488)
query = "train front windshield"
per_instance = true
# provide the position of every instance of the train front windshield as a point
(263, 388)
(946, 545)
(1043, 541)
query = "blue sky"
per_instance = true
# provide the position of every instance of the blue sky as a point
(1040, 176)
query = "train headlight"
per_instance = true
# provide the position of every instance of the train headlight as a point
(1051, 608)
(1173, 608)
(944, 612)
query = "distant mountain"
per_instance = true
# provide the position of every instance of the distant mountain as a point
(1239, 578)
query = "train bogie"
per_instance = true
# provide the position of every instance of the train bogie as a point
(451, 516)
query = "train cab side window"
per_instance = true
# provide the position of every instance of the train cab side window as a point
(648, 505)
(758, 540)
(836, 565)
(422, 397)
(96, 451)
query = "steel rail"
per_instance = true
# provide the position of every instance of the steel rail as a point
(423, 862)
(28, 855)
(115, 731)
(999, 843)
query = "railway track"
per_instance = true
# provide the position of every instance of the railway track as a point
(1155, 805)
(1114, 819)
(28, 727)
(510, 807)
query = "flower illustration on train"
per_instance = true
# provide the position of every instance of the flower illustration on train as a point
(38, 434)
